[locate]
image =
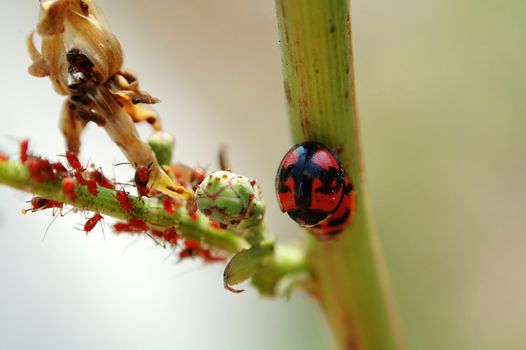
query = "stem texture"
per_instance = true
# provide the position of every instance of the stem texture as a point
(347, 274)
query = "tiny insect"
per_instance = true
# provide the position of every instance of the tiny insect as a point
(141, 178)
(24, 147)
(197, 176)
(191, 249)
(170, 235)
(68, 188)
(92, 222)
(194, 248)
(74, 161)
(156, 233)
(138, 225)
(120, 227)
(91, 184)
(168, 207)
(59, 169)
(124, 200)
(101, 180)
(80, 178)
(40, 169)
(3, 157)
(40, 203)
(142, 175)
(309, 183)
(341, 218)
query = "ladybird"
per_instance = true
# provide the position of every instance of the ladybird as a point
(310, 183)
(341, 218)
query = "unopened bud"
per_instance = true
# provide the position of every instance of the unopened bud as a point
(162, 144)
(232, 200)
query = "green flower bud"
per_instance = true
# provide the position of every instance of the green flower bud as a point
(234, 201)
(162, 144)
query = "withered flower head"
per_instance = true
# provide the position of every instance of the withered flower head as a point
(73, 28)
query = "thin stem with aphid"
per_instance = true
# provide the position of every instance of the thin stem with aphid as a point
(150, 210)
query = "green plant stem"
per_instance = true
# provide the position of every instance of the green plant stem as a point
(150, 210)
(269, 268)
(347, 274)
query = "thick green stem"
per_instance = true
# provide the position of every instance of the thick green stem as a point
(347, 274)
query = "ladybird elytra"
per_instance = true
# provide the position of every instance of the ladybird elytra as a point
(341, 218)
(310, 183)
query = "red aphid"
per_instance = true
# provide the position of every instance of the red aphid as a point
(194, 248)
(170, 235)
(92, 222)
(142, 191)
(179, 174)
(167, 204)
(38, 203)
(120, 227)
(197, 176)
(208, 256)
(59, 169)
(40, 169)
(92, 187)
(74, 161)
(155, 233)
(24, 147)
(190, 244)
(101, 180)
(80, 178)
(68, 188)
(124, 200)
(138, 225)
(187, 253)
(142, 177)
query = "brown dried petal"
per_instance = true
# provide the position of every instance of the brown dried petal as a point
(54, 53)
(71, 127)
(40, 66)
(122, 131)
(52, 13)
(139, 112)
(92, 39)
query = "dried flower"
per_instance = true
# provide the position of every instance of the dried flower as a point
(83, 60)
(66, 27)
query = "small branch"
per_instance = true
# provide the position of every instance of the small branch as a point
(274, 272)
(347, 275)
(150, 210)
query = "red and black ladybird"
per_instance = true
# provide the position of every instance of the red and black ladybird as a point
(341, 218)
(310, 183)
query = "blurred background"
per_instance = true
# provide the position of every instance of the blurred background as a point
(439, 86)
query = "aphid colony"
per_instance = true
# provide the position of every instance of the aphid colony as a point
(75, 176)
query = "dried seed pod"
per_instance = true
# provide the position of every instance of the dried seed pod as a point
(232, 200)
